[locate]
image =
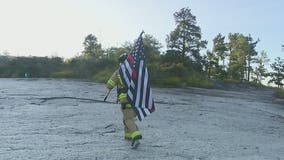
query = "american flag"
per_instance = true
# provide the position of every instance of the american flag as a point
(135, 76)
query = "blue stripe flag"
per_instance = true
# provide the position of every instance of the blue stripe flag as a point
(135, 76)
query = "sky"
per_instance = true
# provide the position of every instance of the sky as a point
(58, 27)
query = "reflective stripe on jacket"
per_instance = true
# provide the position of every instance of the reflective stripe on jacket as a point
(115, 80)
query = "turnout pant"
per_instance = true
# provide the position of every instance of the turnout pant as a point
(131, 130)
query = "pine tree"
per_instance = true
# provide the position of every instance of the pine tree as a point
(238, 49)
(277, 75)
(260, 70)
(250, 55)
(186, 40)
(91, 47)
(220, 48)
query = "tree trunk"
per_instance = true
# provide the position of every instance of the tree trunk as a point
(248, 69)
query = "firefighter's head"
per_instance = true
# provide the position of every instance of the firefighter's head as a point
(122, 57)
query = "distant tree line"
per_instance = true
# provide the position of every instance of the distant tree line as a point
(232, 59)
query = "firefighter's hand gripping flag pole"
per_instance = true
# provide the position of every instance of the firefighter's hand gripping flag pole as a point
(135, 76)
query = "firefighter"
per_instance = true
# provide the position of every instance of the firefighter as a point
(131, 131)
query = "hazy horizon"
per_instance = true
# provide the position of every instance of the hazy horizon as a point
(58, 28)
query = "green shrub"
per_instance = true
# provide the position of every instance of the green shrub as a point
(174, 69)
(255, 84)
(198, 80)
(102, 76)
(279, 93)
(64, 74)
(171, 82)
(231, 81)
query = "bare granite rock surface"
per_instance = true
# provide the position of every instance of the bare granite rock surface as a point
(67, 119)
